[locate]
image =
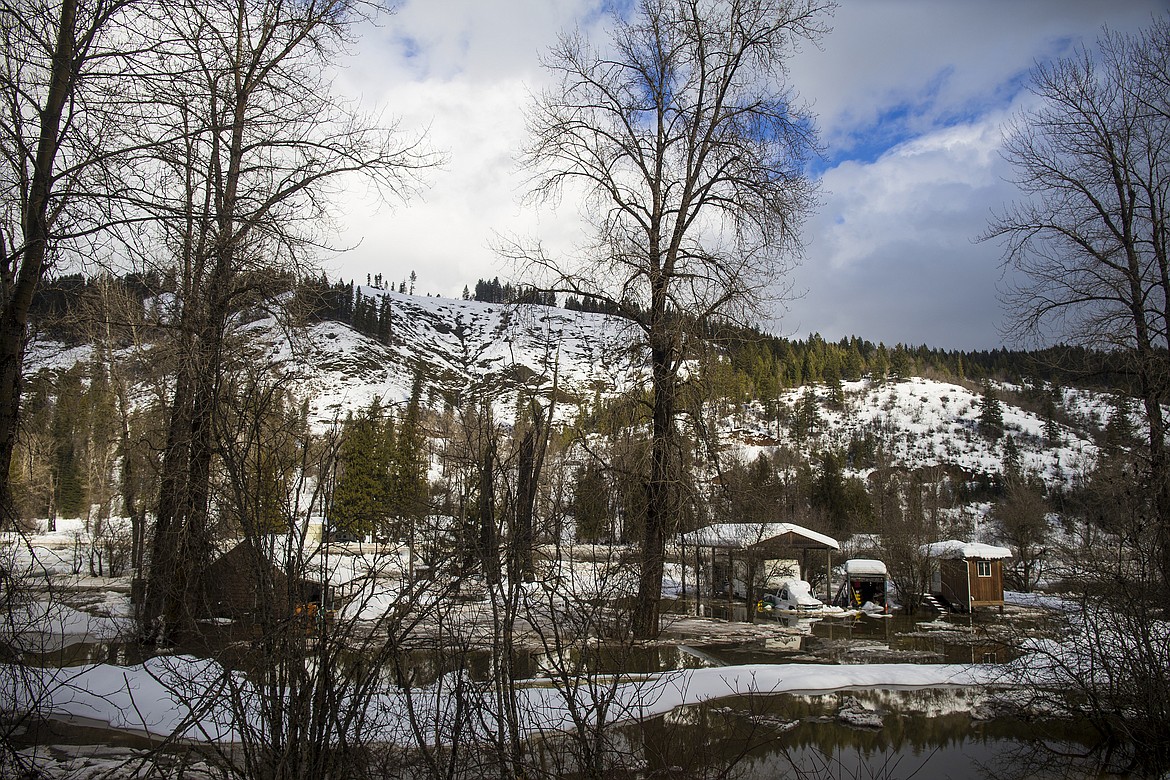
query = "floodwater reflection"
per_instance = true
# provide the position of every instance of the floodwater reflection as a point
(912, 733)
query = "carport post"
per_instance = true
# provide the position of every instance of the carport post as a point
(730, 580)
(698, 580)
(828, 576)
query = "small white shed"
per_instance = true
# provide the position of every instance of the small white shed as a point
(865, 583)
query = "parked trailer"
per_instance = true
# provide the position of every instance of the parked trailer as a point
(865, 584)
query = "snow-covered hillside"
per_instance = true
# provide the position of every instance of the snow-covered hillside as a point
(476, 352)
(472, 351)
(925, 422)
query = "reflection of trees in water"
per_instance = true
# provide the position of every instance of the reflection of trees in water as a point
(927, 731)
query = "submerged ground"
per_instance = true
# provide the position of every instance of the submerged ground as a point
(841, 695)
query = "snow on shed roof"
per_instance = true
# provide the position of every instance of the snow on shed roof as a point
(740, 535)
(953, 548)
(864, 566)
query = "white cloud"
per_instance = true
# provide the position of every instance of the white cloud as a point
(942, 58)
(906, 194)
(890, 253)
(467, 79)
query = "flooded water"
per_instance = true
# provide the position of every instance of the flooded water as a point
(879, 733)
(982, 638)
(82, 654)
(921, 733)
(806, 639)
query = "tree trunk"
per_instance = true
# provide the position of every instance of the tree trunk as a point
(182, 547)
(489, 559)
(20, 286)
(526, 499)
(660, 491)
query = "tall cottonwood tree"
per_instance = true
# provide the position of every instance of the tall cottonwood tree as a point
(239, 196)
(1091, 241)
(60, 139)
(688, 146)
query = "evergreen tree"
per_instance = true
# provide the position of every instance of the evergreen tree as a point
(1013, 465)
(591, 504)
(69, 438)
(836, 396)
(361, 497)
(811, 367)
(408, 466)
(808, 415)
(1119, 429)
(843, 502)
(990, 412)
(101, 438)
(385, 320)
(854, 363)
(901, 363)
(1051, 427)
(879, 367)
(33, 475)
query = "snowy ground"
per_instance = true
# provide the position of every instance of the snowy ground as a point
(151, 698)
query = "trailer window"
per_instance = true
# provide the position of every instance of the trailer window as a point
(983, 568)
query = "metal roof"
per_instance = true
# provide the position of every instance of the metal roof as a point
(743, 535)
(864, 566)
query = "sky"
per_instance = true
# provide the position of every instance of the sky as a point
(911, 97)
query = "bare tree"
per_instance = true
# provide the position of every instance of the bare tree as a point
(259, 140)
(1091, 237)
(906, 530)
(689, 147)
(1091, 241)
(60, 138)
(1021, 518)
(1112, 669)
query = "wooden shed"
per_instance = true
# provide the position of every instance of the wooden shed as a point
(239, 581)
(969, 574)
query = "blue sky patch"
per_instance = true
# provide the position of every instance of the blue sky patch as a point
(894, 125)
(408, 46)
(908, 119)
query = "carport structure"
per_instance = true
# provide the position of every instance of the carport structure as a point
(754, 542)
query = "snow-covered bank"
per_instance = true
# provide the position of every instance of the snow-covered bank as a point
(42, 626)
(186, 698)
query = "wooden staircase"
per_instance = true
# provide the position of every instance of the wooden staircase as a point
(929, 600)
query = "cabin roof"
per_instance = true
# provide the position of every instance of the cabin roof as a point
(744, 535)
(953, 548)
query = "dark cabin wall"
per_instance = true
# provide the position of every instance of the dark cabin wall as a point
(955, 585)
